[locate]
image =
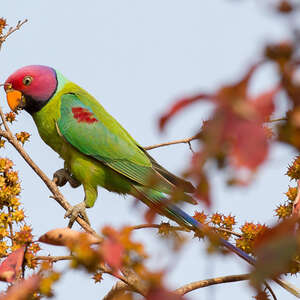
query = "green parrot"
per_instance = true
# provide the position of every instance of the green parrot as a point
(96, 149)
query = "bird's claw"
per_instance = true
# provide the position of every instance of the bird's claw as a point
(75, 211)
(62, 176)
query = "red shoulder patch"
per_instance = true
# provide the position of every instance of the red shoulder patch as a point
(82, 114)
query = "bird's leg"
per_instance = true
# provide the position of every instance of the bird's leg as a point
(80, 209)
(62, 176)
(73, 181)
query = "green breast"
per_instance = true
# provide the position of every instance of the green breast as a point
(46, 120)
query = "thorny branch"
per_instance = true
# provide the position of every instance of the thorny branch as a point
(11, 30)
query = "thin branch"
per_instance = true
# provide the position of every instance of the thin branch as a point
(180, 228)
(158, 226)
(211, 281)
(270, 290)
(54, 258)
(182, 141)
(228, 231)
(57, 195)
(276, 120)
(12, 30)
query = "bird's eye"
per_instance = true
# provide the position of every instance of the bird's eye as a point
(27, 80)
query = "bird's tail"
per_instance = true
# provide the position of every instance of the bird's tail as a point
(157, 201)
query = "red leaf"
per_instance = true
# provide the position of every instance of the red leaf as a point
(150, 215)
(112, 251)
(264, 103)
(236, 91)
(23, 289)
(11, 266)
(178, 106)
(249, 143)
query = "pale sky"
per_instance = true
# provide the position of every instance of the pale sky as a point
(136, 57)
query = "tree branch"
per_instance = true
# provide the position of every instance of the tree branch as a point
(117, 289)
(180, 228)
(53, 258)
(11, 30)
(182, 141)
(207, 282)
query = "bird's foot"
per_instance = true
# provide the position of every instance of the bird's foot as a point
(75, 211)
(62, 176)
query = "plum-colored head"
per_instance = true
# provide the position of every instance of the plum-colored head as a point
(30, 87)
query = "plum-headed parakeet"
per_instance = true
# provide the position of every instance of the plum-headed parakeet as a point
(96, 149)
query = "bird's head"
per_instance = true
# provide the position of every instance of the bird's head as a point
(30, 88)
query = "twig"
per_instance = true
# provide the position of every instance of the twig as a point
(270, 290)
(228, 231)
(276, 120)
(158, 226)
(57, 195)
(211, 281)
(12, 30)
(180, 228)
(182, 141)
(53, 258)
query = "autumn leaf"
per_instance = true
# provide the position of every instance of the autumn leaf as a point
(178, 106)
(66, 236)
(249, 144)
(11, 266)
(112, 251)
(23, 289)
(274, 248)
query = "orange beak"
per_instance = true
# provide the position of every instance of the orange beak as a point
(15, 99)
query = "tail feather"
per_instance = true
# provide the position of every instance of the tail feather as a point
(158, 201)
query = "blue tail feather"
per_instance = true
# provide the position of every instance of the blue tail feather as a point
(159, 202)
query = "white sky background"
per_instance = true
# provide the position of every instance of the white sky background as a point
(136, 57)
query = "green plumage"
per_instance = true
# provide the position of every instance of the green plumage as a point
(97, 150)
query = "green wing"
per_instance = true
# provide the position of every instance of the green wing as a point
(89, 128)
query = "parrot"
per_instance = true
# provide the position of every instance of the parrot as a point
(97, 150)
